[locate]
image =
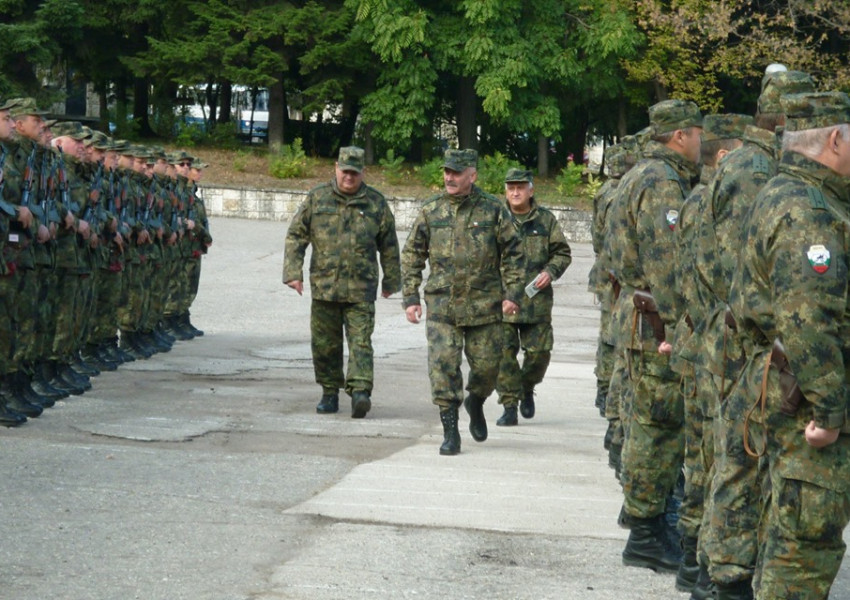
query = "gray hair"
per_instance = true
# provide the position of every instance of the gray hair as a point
(811, 142)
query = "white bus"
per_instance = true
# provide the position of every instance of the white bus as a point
(251, 111)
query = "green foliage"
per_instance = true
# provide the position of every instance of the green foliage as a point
(592, 186)
(240, 161)
(492, 170)
(569, 179)
(290, 162)
(392, 166)
(431, 173)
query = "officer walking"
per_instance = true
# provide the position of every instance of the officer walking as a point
(546, 256)
(467, 238)
(349, 225)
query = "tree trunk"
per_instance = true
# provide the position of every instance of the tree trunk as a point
(542, 155)
(226, 102)
(622, 124)
(104, 108)
(277, 114)
(369, 143)
(141, 102)
(212, 103)
(121, 107)
(467, 108)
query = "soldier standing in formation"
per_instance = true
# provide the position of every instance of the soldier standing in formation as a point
(72, 219)
(349, 226)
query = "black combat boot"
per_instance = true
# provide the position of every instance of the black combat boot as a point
(176, 327)
(13, 397)
(32, 396)
(451, 436)
(41, 382)
(360, 404)
(737, 590)
(686, 578)
(704, 588)
(526, 405)
(79, 365)
(477, 423)
(328, 404)
(508, 417)
(649, 546)
(9, 417)
(191, 328)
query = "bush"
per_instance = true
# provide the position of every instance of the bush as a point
(392, 166)
(290, 162)
(569, 179)
(431, 173)
(240, 161)
(492, 171)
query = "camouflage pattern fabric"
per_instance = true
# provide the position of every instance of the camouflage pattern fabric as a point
(536, 341)
(328, 321)
(792, 285)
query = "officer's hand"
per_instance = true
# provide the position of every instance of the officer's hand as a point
(543, 280)
(509, 308)
(296, 285)
(69, 220)
(43, 234)
(665, 348)
(414, 313)
(818, 437)
(83, 229)
(24, 216)
(190, 224)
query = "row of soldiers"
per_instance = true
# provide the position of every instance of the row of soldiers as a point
(98, 238)
(722, 270)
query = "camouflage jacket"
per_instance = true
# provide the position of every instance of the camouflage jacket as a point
(474, 254)
(641, 242)
(544, 248)
(792, 281)
(719, 235)
(598, 279)
(346, 232)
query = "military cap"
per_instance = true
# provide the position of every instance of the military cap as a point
(179, 157)
(615, 160)
(351, 158)
(670, 115)
(140, 152)
(50, 122)
(459, 160)
(519, 176)
(10, 103)
(25, 106)
(642, 137)
(728, 126)
(71, 129)
(815, 110)
(98, 140)
(775, 85)
(196, 164)
(121, 146)
(158, 152)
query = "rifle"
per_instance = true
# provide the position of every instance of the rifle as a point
(29, 175)
(91, 214)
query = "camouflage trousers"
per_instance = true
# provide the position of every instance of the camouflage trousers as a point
(653, 446)
(447, 343)
(807, 506)
(158, 290)
(536, 340)
(24, 315)
(328, 321)
(66, 303)
(45, 326)
(605, 350)
(699, 449)
(729, 535)
(8, 287)
(110, 295)
(137, 281)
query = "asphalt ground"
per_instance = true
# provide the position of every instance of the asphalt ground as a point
(205, 472)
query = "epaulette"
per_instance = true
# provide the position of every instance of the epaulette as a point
(816, 198)
(761, 164)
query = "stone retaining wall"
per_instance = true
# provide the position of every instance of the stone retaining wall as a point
(280, 205)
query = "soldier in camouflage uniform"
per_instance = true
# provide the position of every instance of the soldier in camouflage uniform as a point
(722, 134)
(728, 532)
(546, 256)
(467, 238)
(348, 224)
(642, 259)
(789, 297)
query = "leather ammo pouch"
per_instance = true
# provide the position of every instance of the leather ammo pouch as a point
(791, 393)
(645, 303)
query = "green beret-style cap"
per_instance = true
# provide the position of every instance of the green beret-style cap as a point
(815, 110)
(179, 157)
(519, 176)
(71, 129)
(351, 158)
(776, 85)
(670, 115)
(98, 140)
(10, 103)
(728, 126)
(459, 160)
(25, 106)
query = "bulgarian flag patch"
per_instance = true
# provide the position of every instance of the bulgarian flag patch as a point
(819, 258)
(672, 218)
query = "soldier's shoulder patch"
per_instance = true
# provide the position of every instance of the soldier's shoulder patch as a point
(671, 217)
(761, 164)
(816, 198)
(819, 258)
